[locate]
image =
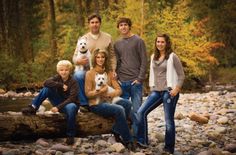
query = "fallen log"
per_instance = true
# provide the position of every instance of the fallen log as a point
(15, 126)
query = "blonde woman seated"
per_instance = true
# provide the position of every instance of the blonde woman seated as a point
(100, 100)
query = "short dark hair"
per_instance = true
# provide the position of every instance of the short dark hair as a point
(124, 20)
(94, 15)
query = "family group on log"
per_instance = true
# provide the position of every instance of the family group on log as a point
(108, 81)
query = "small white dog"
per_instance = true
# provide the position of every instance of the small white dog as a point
(82, 51)
(101, 79)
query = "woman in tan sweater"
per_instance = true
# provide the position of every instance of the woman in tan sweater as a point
(100, 100)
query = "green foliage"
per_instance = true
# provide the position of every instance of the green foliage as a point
(189, 39)
(202, 32)
(221, 25)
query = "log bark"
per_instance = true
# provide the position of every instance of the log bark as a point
(15, 126)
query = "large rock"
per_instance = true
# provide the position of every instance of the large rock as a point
(2, 91)
(198, 118)
(231, 148)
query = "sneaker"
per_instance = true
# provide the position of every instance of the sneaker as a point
(141, 145)
(70, 140)
(84, 109)
(30, 110)
(130, 146)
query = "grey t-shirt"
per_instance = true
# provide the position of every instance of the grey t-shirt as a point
(160, 68)
(131, 58)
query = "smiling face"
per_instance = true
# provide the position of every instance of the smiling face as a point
(64, 72)
(161, 43)
(100, 59)
(94, 25)
(124, 29)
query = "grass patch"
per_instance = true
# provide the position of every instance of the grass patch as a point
(225, 75)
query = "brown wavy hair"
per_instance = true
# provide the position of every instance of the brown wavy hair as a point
(95, 15)
(124, 20)
(168, 49)
(106, 63)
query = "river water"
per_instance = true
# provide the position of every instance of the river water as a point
(13, 104)
(16, 104)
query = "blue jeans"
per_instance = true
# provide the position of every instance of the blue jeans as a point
(153, 101)
(70, 109)
(79, 76)
(135, 92)
(120, 111)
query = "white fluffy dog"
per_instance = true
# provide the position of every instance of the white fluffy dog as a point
(101, 79)
(82, 52)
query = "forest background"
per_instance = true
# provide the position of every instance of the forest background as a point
(35, 34)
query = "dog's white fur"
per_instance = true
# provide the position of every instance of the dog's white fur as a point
(101, 79)
(82, 52)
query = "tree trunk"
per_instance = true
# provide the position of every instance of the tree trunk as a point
(25, 31)
(142, 19)
(53, 28)
(79, 13)
(15, 126)
(2, 26)
(106, 4)
(88, 6)
(97, 6)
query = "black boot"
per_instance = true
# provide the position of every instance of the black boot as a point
(30, 110)
(117, 137)
(130, 146)
(141, 145)
(70, 140)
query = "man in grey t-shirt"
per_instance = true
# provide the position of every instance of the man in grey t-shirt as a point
(131, 65)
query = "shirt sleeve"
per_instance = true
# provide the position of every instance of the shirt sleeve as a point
(112, 55)
(89, 82)
(179, 70)
(74, 59)
(143, 58)
(53, 82)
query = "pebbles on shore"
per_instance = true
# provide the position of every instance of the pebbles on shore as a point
(212, 130)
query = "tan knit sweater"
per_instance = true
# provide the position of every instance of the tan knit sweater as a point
(90, 84)
(103, 42)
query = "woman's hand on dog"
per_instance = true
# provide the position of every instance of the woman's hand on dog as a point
(82, 61)
(103, 90)
(106, 97)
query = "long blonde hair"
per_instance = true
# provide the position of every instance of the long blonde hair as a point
(95, 53)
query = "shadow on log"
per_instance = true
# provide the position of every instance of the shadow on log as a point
(15, 126)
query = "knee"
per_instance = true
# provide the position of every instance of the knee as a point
(120, 111)
(127, 104)
(71, 109)
(46, 90)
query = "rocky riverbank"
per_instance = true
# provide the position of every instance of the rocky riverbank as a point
(205, 125)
